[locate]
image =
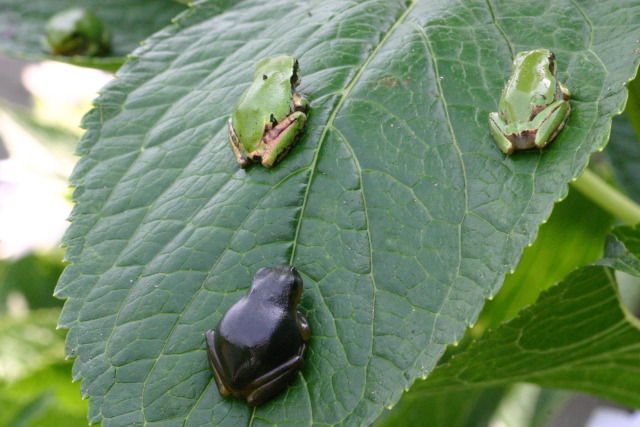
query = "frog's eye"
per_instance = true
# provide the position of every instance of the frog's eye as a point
(265, 77)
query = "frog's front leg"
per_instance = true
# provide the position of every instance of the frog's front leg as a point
(549, 122)
(215, 365)
(272, 383)
(237, 146)
(499, 131)
(281, 138)
(303, 327)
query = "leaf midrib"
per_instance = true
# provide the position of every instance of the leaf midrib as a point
(330, 124)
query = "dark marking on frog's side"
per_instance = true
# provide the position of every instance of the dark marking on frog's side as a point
(260, 343)
(523, 140)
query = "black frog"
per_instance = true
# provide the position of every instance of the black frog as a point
(260, 343)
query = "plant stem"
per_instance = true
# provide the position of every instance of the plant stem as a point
(607, 197)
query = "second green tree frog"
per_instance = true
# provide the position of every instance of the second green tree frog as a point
(77, 31)
(269, 116)
(534, 105)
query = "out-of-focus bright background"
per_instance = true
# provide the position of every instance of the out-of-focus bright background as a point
(41, 106)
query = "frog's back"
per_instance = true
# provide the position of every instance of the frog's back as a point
(253, 338)
(532, 83)
(273, 90)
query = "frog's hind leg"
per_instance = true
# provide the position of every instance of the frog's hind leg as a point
(550, 121)
(215, 365)
(272, 383)
(281, 139)
(243, 162)
(498, 129)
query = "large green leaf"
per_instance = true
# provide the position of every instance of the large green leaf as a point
(396, 206)
(22, 26)
(576, 336)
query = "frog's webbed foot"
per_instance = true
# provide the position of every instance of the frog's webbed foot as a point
(300, 103)
(550, 121)
(281, 139)
(272, 383)
(499, 131)
(215, 365)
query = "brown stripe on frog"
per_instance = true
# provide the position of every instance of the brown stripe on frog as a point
(523, 140)
(274, 135)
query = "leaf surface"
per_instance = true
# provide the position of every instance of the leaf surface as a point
(576, 229)
(396, 206)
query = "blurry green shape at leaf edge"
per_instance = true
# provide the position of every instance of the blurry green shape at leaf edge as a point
(26, 27)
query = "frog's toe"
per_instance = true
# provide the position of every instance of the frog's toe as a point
(214, 363)
(272, 388)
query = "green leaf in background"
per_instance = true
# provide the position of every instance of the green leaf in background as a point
(22, 26)
(622, 249)
(35, 385)
(572, 237)
(577, 336)
(623, 152)
(520, 405)
(466, 408)
(46, 397)
(34, 277)
(29, 341)
(396, 206)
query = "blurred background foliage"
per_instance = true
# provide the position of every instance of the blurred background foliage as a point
(39, 116)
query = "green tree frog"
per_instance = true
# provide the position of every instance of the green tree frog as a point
(77, 32)
(260, 343)
(269, 116)
(534, 105)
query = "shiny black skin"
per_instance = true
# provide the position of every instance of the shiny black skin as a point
(260, 343)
